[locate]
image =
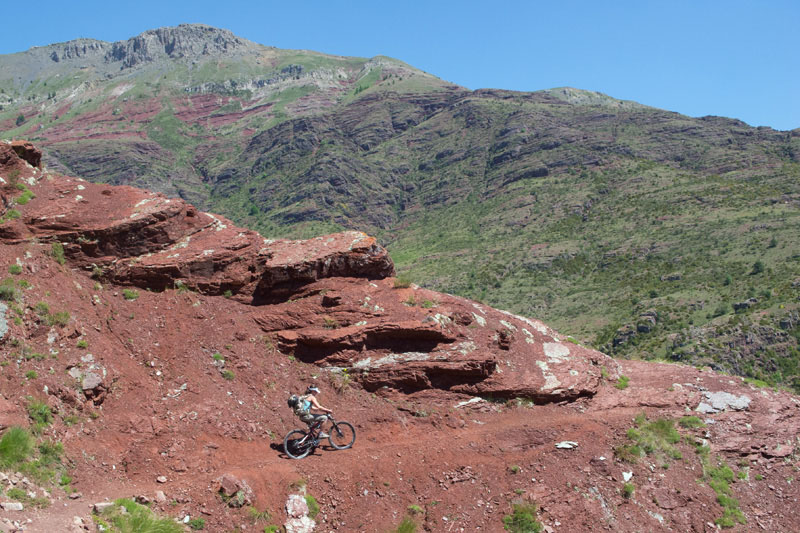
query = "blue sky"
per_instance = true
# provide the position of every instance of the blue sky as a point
(732, 58)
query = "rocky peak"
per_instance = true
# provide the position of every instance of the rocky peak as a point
(186, 40)
(76, 49)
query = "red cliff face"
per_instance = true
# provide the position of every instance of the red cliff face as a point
(166, 340)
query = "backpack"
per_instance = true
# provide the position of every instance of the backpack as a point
(299, 406)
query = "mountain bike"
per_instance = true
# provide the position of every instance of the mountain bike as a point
(299, 443)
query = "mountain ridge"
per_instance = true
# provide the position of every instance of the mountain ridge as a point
(594, 213)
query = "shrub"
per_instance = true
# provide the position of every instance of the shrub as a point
(130, 294)
(15, 269)
(415, 509)
(31, 374)
(41, 308)
(57, 251)
(402, 282)
(514, 469)
(20, 120)
(97, 272)
(758, 267)
(229, 375)
(628, 490)
(15, 446)
(227, 294)
(522, 519)
(217, 357)
(722, 309)
(82, 344)
(197, 523)
(622, 383)
(7, 290)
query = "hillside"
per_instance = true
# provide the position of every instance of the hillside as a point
(150, 347)
(636, 230)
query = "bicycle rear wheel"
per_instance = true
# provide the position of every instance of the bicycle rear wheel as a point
(342, 435)
(292, 445)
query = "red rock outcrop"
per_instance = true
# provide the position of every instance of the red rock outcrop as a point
(404, 339)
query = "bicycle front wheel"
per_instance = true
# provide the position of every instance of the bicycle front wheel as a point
(342, 435)
(293, 446)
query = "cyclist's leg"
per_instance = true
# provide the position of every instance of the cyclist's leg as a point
(320, 419)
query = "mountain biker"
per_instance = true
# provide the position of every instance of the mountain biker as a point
(305, 403)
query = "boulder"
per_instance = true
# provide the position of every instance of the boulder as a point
(235, 491)
(722, 401)
(28, 153)
(12, 506)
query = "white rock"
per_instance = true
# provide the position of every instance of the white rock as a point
(11, 506)
(626, 476)
(567, 445)
(102, 506)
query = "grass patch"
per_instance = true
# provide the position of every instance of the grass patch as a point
(42, 462)
(522, 519)
(60, 318)
(622, 383)
(313, 506)
(8, 292)
(15, 447)
(130, 294)
(57, 251)
(406, 525)
(137, 519)
(82, 344)
(197, 524)
(229, 375)
(402, 282)
(11, 214)
(39, 412)
(258, 516)
(656, 438)
(15, 270)
(719, 479)
(691, 422)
